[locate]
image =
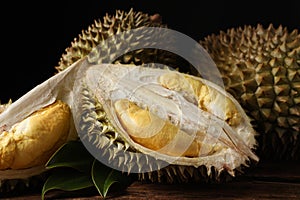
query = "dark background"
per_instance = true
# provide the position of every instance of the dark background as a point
(35, 35)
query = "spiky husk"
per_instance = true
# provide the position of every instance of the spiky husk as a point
(261, 69)
(110, 25)
(188, 174)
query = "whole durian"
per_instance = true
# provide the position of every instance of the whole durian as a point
(261, 69)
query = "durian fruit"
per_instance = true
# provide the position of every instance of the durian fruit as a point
(24, 146)
(261, 69)
(106, 49)
(221, 140)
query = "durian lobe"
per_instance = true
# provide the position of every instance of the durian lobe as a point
(154, 133)
(24, 146)
(34, 140)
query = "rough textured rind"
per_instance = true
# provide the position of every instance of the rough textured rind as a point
(261, 69)
(110, 25)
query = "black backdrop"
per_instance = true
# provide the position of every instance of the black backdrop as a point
(34, 35)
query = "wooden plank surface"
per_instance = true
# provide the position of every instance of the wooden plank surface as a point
(266, 181)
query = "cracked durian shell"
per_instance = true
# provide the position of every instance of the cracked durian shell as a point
(120, 139)
(220, 134)
(261, 69)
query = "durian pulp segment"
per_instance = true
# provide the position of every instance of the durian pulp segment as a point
(31, 131)
(205, 97)
(32, 141)
(118, 86)
(160, 135)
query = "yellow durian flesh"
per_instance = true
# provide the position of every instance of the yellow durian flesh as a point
(32, 141)
(157, 134)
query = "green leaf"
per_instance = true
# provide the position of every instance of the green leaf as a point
(74, 168)
(72, 154)
(67, 179)
(104, 177)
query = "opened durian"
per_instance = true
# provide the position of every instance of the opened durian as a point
(164, 125)
(261, 69)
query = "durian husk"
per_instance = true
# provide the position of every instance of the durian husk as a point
(260, 67)
(101, 30)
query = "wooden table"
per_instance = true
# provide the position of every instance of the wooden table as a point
(270, 180)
